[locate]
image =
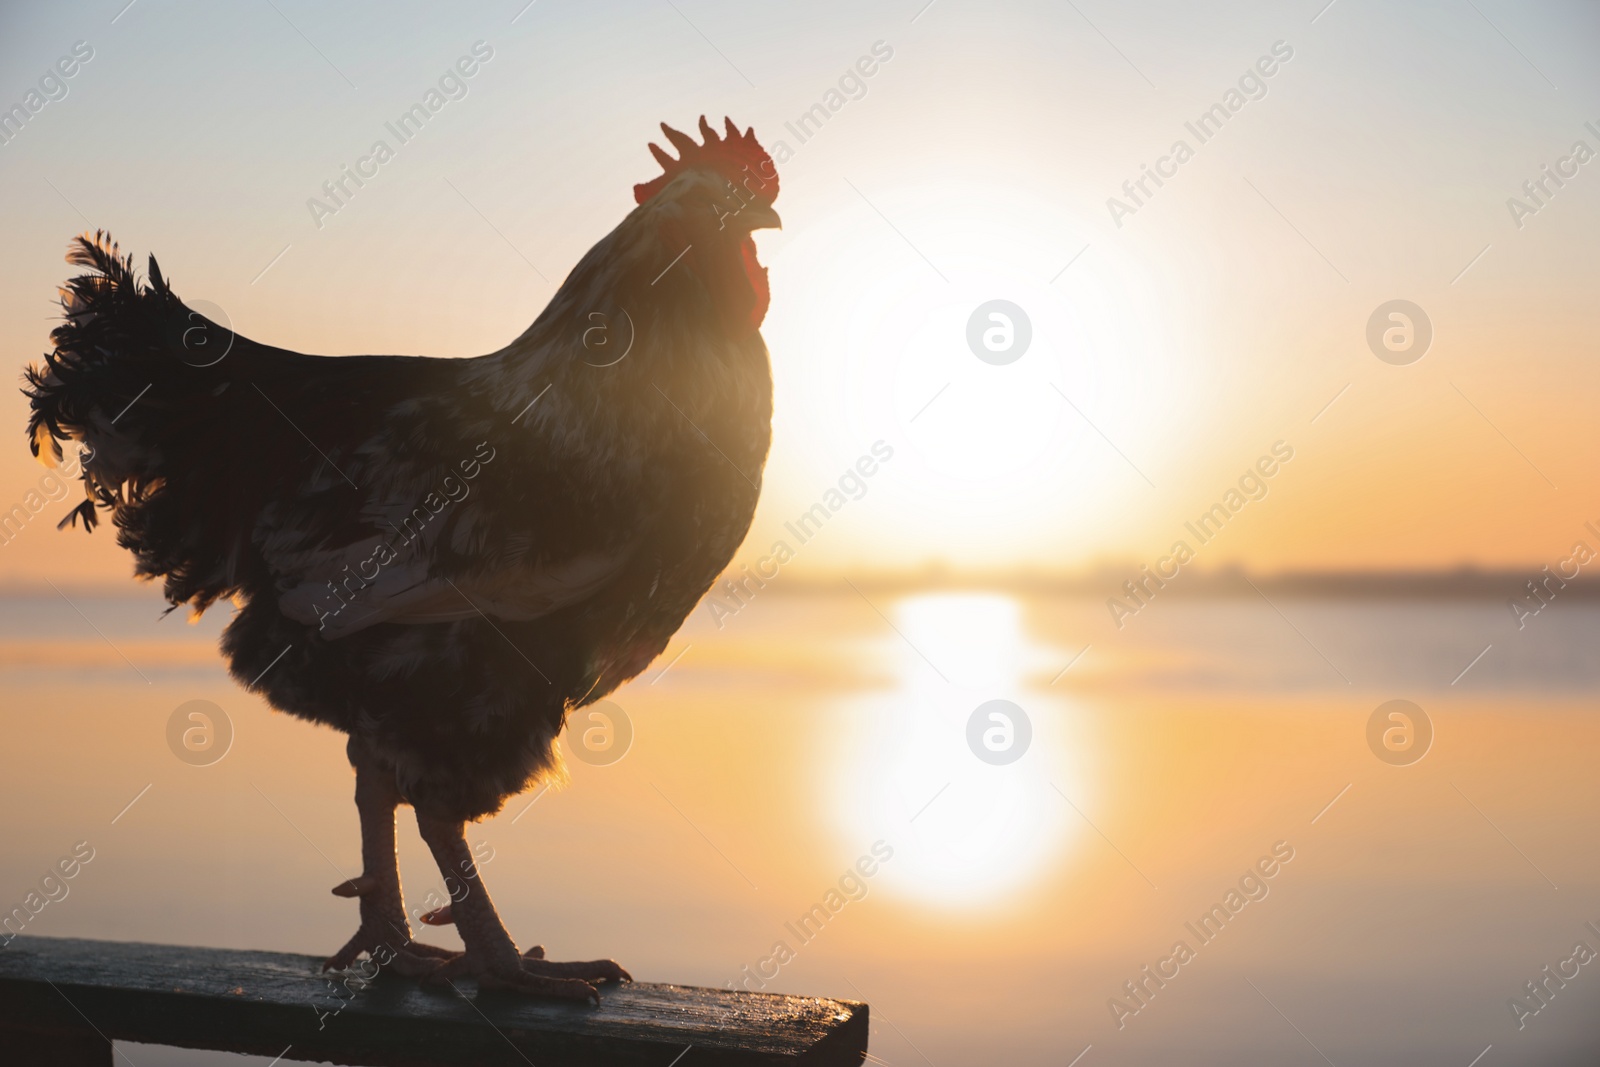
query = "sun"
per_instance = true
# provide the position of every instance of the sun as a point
(877, 337)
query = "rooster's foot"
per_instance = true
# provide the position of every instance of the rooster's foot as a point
(532, 974)
(491, 956)
(392, 949)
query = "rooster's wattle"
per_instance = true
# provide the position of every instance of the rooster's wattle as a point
(442, 558)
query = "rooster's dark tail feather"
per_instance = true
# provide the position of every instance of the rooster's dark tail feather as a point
(118, 383)
(96, 370)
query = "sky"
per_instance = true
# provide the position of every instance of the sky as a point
(1178, 333)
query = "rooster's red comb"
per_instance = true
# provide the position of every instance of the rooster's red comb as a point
(737, 156)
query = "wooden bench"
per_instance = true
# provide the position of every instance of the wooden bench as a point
(64, 1000)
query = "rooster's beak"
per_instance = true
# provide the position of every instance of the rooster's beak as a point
(761, 217)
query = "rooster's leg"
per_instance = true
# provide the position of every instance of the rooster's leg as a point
(384, 934)
(491, 955)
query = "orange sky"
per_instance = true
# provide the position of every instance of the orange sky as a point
(1180, 343)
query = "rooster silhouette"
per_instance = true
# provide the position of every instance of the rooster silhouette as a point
(442, 558)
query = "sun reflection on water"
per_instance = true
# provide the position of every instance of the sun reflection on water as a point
(964, 831)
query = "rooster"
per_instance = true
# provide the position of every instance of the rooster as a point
(442, 558)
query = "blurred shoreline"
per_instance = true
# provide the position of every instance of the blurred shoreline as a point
(1468, 583)
(1464, 582)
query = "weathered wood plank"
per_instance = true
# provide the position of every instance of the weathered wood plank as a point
(271, 1003)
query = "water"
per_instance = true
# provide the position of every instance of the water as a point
(820, 735)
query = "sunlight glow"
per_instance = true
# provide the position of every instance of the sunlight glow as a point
(871, 341)
(964, 832)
